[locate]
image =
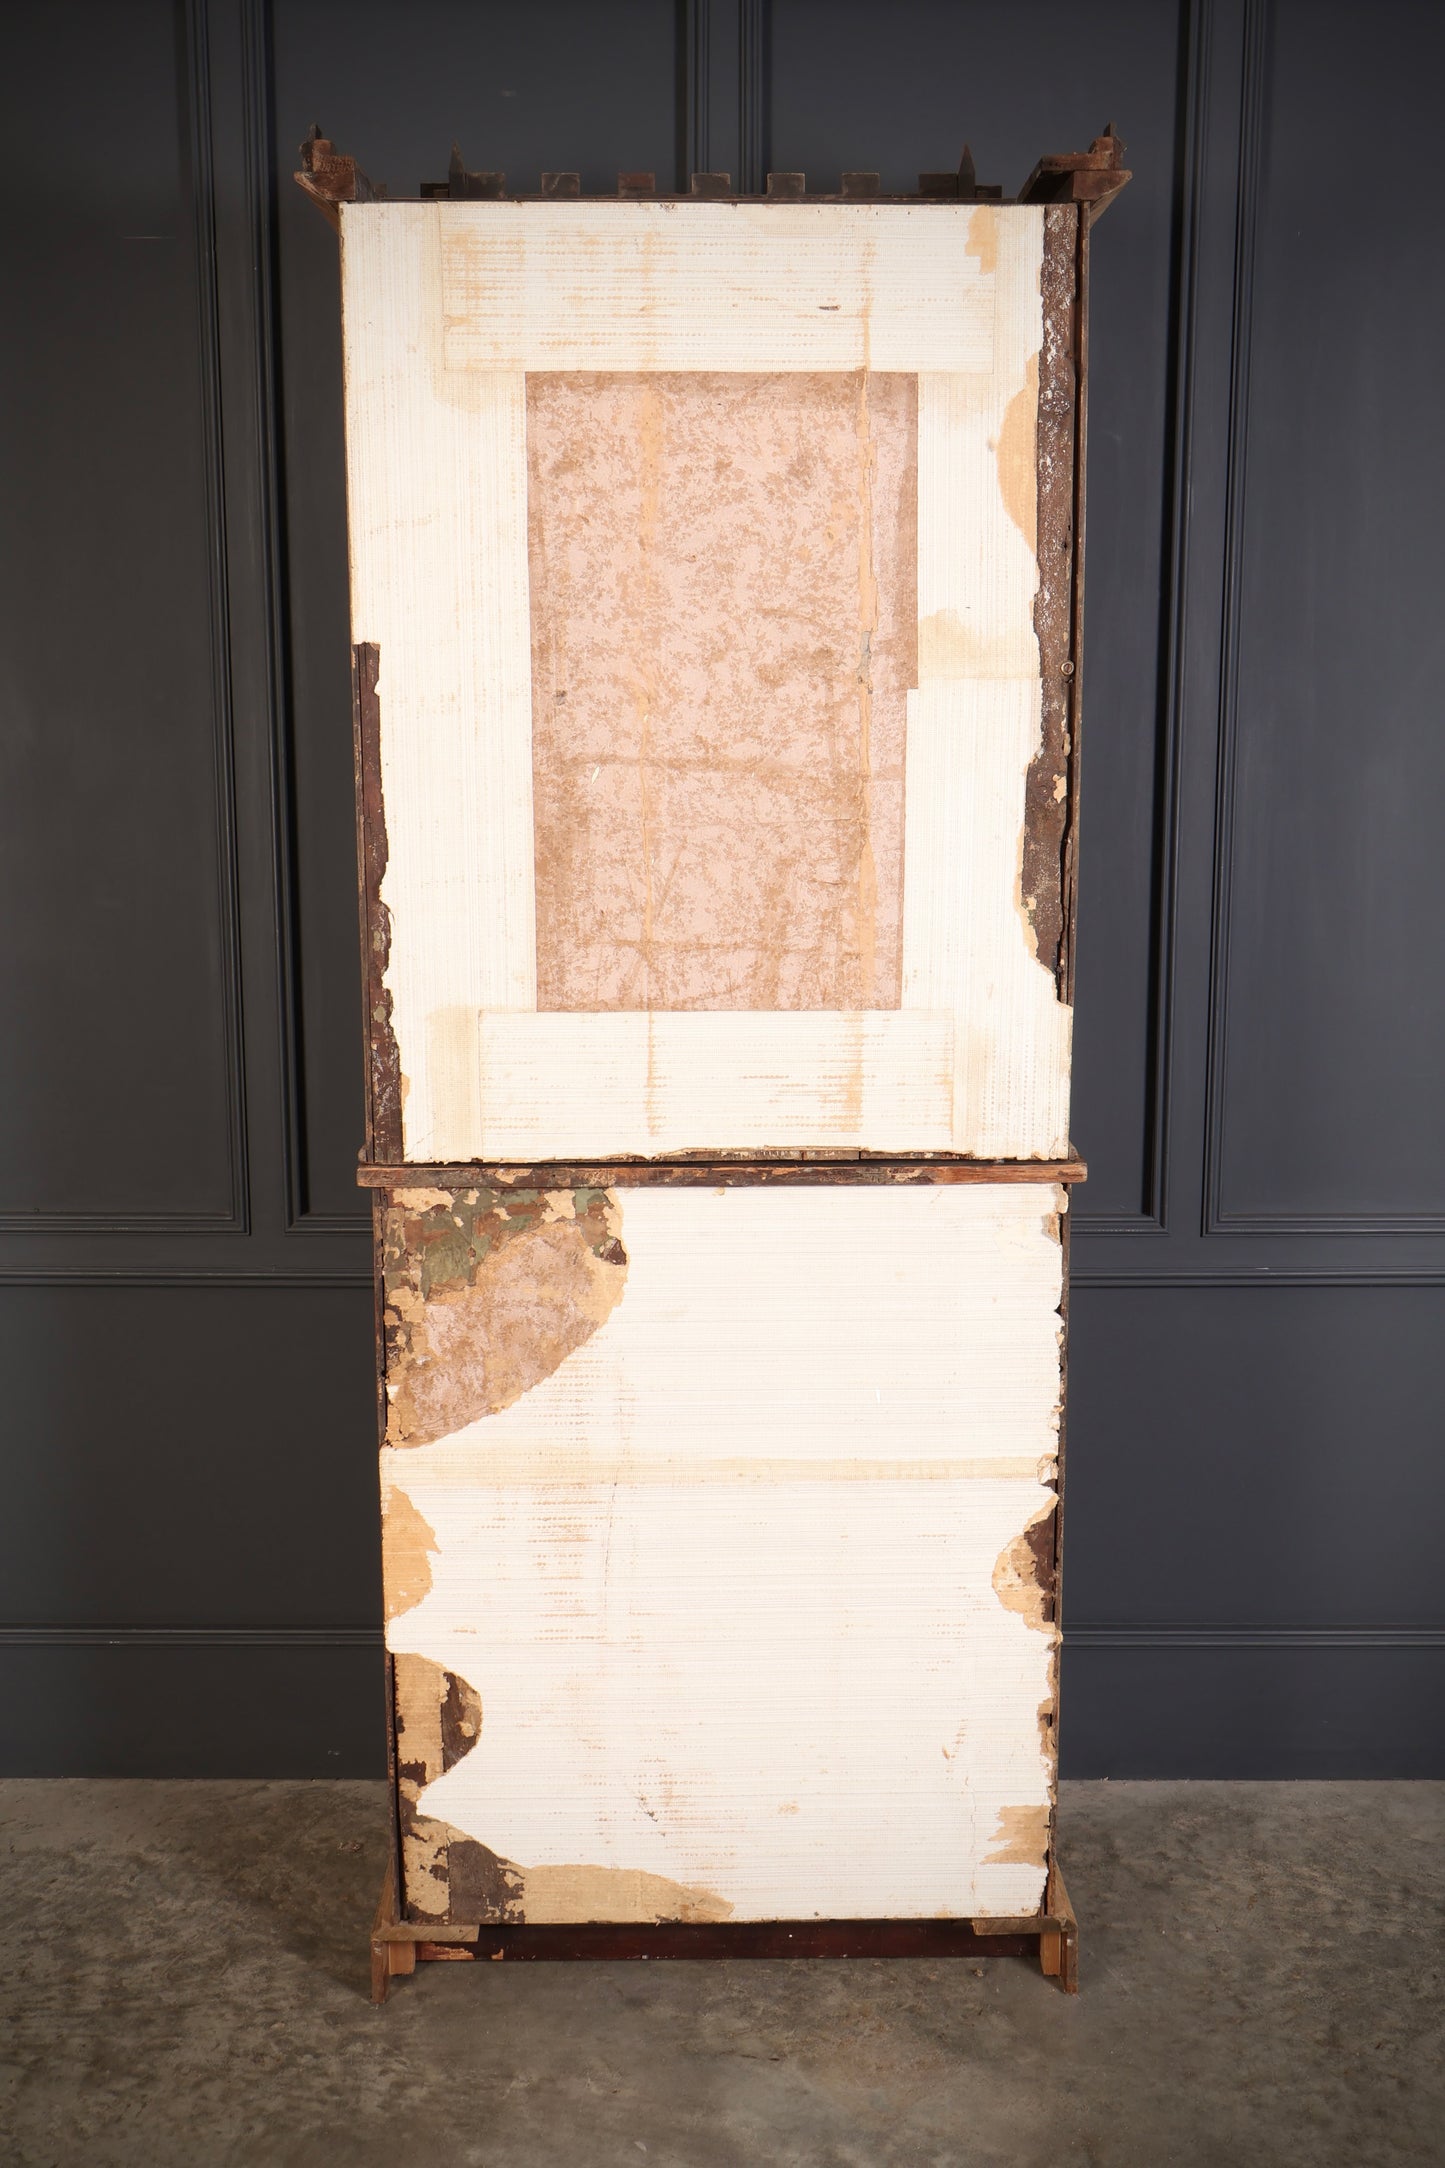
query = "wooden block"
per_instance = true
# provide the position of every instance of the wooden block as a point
(380, 1950)
(467, 187)
(1059, 1946)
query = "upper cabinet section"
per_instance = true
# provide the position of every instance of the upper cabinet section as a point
(712, 582)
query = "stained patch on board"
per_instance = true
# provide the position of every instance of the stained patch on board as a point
(438, 1720)
(1020, 1837)
(487, 1292)
(408, 1544)
(556, 1895)
(448, 1876)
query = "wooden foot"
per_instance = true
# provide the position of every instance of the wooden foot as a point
(1059, 1941)
(381, 1949)
(396, 1943)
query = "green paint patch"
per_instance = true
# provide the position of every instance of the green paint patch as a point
(439, 1250)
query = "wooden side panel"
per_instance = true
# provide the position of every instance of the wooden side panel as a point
(675, 1081)
(719, 1550)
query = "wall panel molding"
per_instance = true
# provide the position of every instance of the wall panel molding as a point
(696, 131)
(194, 126)
(1152, 1218)
(193, 1637)
(725, 92)
(260, 169)
(752, 97)
(1217, 1218)
(1277, 1709)
(198, 86)
(1260, 1276)
(79, 1276)
(1254, 1637)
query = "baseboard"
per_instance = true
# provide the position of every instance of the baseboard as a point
(1206, 1702)
(1253, 1702)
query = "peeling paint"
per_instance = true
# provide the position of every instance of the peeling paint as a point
(487, 1292)
(1023, 1579)
(438, 1720)
(384, 1083)
(1020, 1837)
(481, 1887)
(408, 1544)
(422, 1200)
(449, 1876)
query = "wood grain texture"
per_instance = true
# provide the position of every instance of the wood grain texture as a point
(975, 729)
(712, 286)
(740, 1585)
(436, 495)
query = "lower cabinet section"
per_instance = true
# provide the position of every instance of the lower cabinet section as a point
(720, 1537)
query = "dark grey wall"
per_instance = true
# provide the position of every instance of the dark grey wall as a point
(1256, 1483)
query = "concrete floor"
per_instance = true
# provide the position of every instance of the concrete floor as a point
(186, 1982)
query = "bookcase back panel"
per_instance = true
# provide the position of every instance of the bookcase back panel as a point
(700, 546)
